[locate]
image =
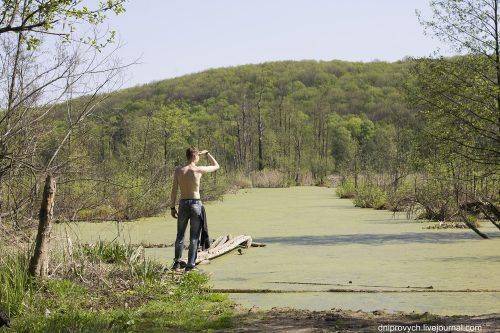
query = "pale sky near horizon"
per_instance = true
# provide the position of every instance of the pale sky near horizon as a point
(177, 37)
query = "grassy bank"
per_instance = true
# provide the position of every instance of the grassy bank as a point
(107, 288)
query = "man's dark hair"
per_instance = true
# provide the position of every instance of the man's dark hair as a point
(191, 153)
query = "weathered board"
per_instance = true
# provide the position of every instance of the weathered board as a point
(222, 245)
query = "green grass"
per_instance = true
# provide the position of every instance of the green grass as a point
(108, 252)
(16, 287)
(117, 291)
(70, 308)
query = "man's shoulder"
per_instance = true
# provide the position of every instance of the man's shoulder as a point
(185, 168)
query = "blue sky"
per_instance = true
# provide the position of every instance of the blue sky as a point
(176, 37)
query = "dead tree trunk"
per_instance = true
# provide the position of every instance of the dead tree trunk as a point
(260, 130)
(40, 260)
(491, 212)
(471, 225)
(461, 213)
(261, 141)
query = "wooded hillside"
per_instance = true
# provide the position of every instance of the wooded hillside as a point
(304, 120)
(276, 115)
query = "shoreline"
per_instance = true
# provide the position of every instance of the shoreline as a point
(339, 320)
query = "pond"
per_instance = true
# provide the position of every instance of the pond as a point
(316, 241)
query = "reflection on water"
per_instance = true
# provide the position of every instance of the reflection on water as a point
(314, 237)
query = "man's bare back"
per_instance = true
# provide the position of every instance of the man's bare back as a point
(188, 178)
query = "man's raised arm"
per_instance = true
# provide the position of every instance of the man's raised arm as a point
(214, 166)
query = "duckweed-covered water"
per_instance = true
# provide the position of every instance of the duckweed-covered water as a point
(314, 237)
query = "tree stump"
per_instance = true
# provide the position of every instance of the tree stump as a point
(39, 262)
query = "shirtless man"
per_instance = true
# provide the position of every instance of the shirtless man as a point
(187, 178)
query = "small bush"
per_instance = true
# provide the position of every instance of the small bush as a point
(436, 200)
(370, 196)
(403, 199)
(306, 178)
(102, 212)
(346, 190)
(241, 181)
(191, 284)
(147, 270)
(108, 252)
(214, 186)
(269, 179)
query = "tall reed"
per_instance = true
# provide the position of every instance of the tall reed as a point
(16, 286)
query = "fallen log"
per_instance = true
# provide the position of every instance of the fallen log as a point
(223, 248)
(221, 239)
(215, 243)
(222, 245)
(152, 245)
(341, 290)
(142, 244)
(348, 285)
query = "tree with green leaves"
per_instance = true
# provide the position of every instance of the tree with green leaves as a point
(48, 67)
(33, 20)
(459, 97)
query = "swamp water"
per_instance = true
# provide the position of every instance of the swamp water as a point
(313, 237)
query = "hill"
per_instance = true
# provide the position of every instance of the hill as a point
(306, 119)
(234, 110)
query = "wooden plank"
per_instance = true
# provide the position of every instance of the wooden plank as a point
(226, 245)
(221, 239)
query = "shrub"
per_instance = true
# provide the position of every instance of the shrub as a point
(241, 181)
(436, 200)
(108, 252)
(320, 168)
(147, 269)
(306, 178)
(102, 212)
(269, 178)
(403, 199)
(346, 190)
(191, 285)
(215, 186)
(370, 196)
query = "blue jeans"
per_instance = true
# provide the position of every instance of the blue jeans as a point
(189, 209)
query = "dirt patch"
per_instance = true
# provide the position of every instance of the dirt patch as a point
(337, 320)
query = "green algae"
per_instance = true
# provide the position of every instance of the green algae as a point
(314, 237)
